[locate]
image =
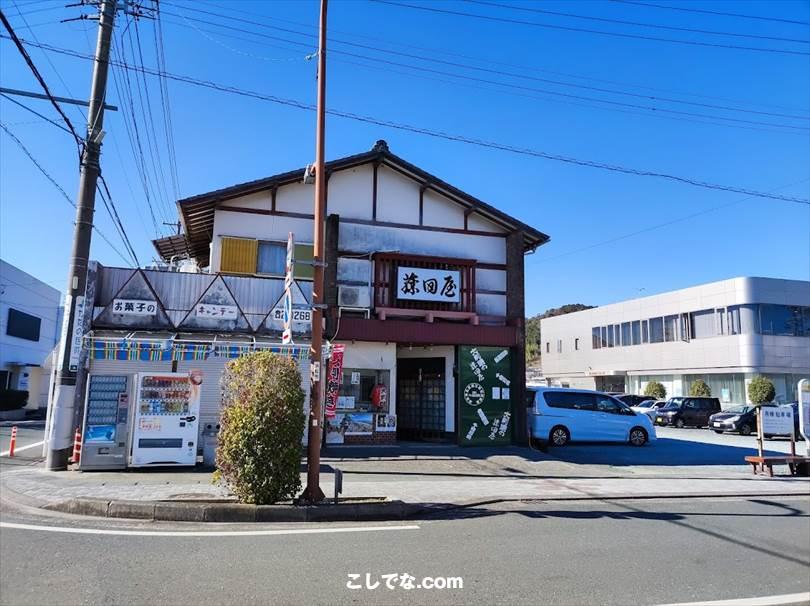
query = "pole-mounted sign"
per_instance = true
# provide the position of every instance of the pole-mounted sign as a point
(286, 336)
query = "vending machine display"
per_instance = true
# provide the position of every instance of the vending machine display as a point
(164, 430)
(106, 422)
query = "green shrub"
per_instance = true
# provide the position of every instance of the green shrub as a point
(655, 390)
(262, 425)
(761, 390)
(700, 388)
(12, 399)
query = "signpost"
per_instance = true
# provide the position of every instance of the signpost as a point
(804, 413)
(485, 396)
(776, 421)
(286, 336)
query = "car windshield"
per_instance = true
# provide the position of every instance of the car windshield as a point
(674, 403)
(647, 404)
(738, 410)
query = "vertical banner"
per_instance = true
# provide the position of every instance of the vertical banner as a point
(484, 396)
(334, 379)
(804, 412)
(286, 335)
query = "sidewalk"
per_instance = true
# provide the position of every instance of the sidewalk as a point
(389, 482)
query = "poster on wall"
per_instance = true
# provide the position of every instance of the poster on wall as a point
(485, 396)
(348, 424)
(385, 423)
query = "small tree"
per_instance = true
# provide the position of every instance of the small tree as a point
(262, 425)
(761, 390)
(655, 390)
(700, 388)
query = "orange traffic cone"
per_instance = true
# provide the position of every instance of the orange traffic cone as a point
(77, 447)
(13, 442)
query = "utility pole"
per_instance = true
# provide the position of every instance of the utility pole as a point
(313, 492)
(60, 438)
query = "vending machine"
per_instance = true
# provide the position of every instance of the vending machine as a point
(166, 415)
(106, 422)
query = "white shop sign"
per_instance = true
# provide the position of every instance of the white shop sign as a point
(134, 307)
(420, 284)
(220, 312)
(776, 420)
(298, 315)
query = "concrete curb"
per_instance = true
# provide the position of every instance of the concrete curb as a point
(234, 512)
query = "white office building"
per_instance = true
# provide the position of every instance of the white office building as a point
(724, 333)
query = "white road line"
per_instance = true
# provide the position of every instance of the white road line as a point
(772, 600)
(203, 533)
(21, 448)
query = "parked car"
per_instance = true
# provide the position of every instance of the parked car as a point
(741, 419)
(797, 435)
(683, 411)
(649, 408)
(559, 416)
(632, 399)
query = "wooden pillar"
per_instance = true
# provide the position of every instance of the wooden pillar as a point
(516, 316)
(330, 287)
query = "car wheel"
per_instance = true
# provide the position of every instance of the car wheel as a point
(559, 436)
(718, 431)
(745, 430)
(638, 436)
(679, 423)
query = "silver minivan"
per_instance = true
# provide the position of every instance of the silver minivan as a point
(560, 415)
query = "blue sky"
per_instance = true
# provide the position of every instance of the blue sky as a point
(614, 236)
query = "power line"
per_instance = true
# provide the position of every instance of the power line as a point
(532, 9)
(113, 212)
(53, 182)
(434, 59)
(507, 84)
(589, 31)
(450, 137)
(36, 113)
(708, 12)
(165, 103)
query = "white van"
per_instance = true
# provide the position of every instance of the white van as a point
(558, 416)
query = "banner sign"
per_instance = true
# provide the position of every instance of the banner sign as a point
(134, 307)
(776, 420)
(287, 310)
(334, 378)
(220, 312)
(78, 335)
(485, 397)
(420, 284)
(804, 411)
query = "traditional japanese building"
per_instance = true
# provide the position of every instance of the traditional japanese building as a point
(424, 287)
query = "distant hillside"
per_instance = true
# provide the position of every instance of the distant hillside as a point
(533, 337)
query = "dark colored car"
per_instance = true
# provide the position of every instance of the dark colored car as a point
(741, 419)
(683, 411)
(633, 400)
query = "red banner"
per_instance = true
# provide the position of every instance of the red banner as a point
(334, 379)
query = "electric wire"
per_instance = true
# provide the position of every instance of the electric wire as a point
(61, 190)
(449, 136)
(36, 113)
(165, 102)
(709, 12)
(445, 11)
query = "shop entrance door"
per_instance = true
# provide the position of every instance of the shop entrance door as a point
(421, 401)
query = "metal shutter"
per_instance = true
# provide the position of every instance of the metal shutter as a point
(238, 255)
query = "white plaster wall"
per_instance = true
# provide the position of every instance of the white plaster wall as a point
(478, 223)
(260, 201)
(724, 353)
(372, 238)
(490, 279)
(448, 352)
(350, 193)
(397, 197)
(439, 211)
(296, 198)
(376, 356)
(490, 305)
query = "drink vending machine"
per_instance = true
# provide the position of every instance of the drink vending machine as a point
(165, 419)
(106, 422)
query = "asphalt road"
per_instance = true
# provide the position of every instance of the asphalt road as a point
(29, 434)
(628, 552)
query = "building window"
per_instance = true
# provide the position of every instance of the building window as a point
(670, 328)
(272, 258)
(656, 330)
(22, 325)
(626, 340)
(576, 344)
(249, 256)
(357, 391)
(743, 320)
(596, 337)
(559, 345)
(636, 333)
(721, 321)
(548, 347)
(604, 336)
(610, 336)
(782, 320)
(703, 323)
(238, 256)
(645, 334)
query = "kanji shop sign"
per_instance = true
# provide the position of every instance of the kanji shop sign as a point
(134, 307)
(220, 312)
(420, 284)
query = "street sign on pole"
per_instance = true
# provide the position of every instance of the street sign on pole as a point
(286, 335)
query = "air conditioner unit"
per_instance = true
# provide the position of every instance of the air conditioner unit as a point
(354, 296)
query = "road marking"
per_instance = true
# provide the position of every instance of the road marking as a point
(772, 600)
(21, 448)
(202, 533)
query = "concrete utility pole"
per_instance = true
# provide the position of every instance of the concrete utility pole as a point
(61, 434)
(313, 492)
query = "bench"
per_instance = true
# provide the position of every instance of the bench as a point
(792, 461)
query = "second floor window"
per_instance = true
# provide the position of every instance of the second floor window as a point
(249, 256)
